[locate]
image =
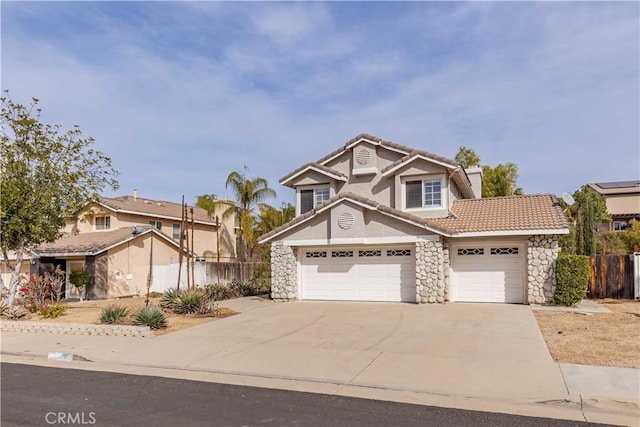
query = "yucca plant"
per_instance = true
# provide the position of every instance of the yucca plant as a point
(169, 298)
(114, 314)
(15, 313)
(189, 301)
(152, 317)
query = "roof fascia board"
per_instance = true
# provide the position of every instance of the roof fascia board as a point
(512, 233)
(315, 169)
(416, 157)
(175, 218)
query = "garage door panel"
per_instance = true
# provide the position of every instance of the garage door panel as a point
(486, 272)
(368, 275)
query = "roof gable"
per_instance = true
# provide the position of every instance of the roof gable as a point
(153, 208)
(316, 167)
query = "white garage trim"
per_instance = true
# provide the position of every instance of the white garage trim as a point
(488, 271)
(358, 273)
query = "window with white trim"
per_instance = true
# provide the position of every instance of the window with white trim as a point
(313, 198)
(176, 232)
(425, 193)
(103, 222)
(156, 224)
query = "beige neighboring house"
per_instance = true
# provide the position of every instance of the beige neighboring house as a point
(623, 203)
(113, 239)
(379, 221)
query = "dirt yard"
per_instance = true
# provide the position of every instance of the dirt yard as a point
(594, 339)
(89, 312)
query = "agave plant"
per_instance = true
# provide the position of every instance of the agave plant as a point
(152, 317)
(114, 314)
(190, 301)
(169, 298)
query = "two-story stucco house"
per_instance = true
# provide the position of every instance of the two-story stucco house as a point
(623, 203)
(379, 221)
(118, 239)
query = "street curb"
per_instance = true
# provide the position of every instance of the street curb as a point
(570, 407)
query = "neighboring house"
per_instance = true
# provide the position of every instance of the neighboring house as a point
(112, 239)
(623, 203)
(379, 221)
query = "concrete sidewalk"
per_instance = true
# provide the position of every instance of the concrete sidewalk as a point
(482, 357)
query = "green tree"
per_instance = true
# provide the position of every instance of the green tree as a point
(208, 202)
(588, 211)
(46, 176)
(272, 218)
(249, 193)
(467, 157)
(496, 181)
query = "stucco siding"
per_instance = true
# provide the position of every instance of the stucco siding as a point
(623, 204)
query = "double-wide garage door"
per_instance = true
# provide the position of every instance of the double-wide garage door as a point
(364, 273)
(489, 272)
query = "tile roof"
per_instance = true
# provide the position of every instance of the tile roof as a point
(91, 243)
(408, 151)
(513, 213)
(153, 208)
(314, 165)
(498, 214)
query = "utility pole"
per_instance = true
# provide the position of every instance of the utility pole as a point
(193, 273)
(218, 249)
(181, 241)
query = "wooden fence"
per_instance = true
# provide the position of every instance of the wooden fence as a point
(612, 276)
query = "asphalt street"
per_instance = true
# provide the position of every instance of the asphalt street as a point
(40, 396)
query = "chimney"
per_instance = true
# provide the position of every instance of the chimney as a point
(135, 194)
(475, 176)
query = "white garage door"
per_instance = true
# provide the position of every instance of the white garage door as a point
(363, 273)
(488, 272)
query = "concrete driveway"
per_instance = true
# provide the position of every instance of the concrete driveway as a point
(488, 350)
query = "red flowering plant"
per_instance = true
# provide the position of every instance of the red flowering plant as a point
(36, 291)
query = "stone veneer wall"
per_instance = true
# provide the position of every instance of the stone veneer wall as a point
(284, 272)
(542, 252)
(432, 272)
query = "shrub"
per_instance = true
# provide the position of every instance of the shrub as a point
(15, 313)
(114, 314)
(217, 292)
(79, 278)
(189, 301)
(155, 294)
(169, 298)
(572, 279)
(152, 317)
(52, 311)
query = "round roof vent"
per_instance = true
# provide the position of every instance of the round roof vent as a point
(346, 220)
(363, 156)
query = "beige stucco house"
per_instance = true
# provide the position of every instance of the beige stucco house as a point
(119, 239)
(623, 203)
(379, 221)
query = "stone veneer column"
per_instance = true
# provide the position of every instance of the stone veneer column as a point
(284, 272)
(432, 260)
(542, 252)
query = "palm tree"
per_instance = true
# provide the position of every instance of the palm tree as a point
(248, 194)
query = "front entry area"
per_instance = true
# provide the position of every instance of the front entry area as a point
(358, 273)
(488, 272)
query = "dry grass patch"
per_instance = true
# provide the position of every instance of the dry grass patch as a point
(603, 339)
(89, 312)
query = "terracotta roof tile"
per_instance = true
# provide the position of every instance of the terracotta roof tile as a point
(316, 165)
(154, 208)
(88, 243)
(514, 213)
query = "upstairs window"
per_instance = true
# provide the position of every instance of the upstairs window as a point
(176, 232)
(426, 193)
(313, 198)
(156, 224)
(103, 222)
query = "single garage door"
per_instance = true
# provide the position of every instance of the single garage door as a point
(360, 273)
(488, 272)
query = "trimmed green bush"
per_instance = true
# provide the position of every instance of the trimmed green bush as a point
(114, 314)
(572, 279)
(152, 317)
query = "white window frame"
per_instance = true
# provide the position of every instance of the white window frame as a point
(422, 178)
(173, 231)
(155, 224)
(106, 226)
(315, 189)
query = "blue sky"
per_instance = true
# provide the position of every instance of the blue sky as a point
(179, 94)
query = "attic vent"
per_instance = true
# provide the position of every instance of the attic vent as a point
(363, 156)
(346, 220)
(147, 202)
